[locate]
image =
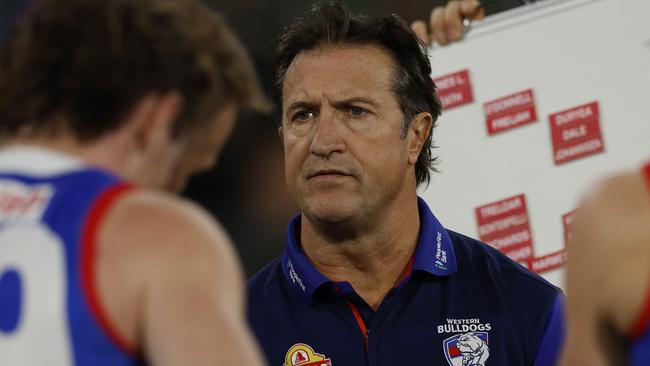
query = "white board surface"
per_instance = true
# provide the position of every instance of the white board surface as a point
(569, 52)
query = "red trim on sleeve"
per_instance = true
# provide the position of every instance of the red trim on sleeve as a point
(88, 256)
(642, 322)
(360, 323)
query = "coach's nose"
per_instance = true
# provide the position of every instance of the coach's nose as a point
(327, 138)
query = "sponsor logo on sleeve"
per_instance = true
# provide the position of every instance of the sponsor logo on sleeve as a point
(301, 354)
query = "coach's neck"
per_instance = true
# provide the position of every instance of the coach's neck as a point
(374, 257)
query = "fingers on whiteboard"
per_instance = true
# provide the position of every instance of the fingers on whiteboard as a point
(419, 27)
(448, 23)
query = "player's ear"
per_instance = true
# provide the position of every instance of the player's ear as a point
(417, 135)
(154, 117)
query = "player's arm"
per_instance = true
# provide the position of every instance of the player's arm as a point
(608, 271)
(187, 281)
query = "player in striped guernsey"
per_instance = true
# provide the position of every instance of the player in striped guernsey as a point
(102, 105)
(608, 276)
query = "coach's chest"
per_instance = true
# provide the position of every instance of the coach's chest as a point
(413, 327)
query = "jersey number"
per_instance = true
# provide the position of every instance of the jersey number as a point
(33, 327)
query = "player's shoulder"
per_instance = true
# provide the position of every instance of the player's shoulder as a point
(156, 221)
(478, 258)
(622, 192)
(614, 210)
(162, 205)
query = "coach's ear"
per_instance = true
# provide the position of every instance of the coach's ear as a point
(281, 134)
(417, 135)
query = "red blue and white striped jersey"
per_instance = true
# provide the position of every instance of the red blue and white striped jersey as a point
(50, 208)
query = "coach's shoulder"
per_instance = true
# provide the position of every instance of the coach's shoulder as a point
(533, 305)
(511, 277)
(265, 281)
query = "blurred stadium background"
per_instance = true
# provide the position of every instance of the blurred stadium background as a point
(246, 190)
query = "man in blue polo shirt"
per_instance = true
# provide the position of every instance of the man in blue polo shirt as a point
(369, 276)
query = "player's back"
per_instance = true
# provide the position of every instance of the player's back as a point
(51, 206)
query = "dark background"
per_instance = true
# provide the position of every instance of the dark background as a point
(246, 189)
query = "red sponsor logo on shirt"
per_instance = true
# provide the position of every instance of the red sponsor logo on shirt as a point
(454, 89)
(510, 111)
(22, 202)
(504, 225)
(301, 354)
(576, 133)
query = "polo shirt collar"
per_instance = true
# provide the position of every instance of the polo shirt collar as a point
(434, 254)
(298, 271)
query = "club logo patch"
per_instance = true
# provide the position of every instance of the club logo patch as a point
(467, 349)
(301, 354)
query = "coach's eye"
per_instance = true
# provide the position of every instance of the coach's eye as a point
(357, 111)
(302, 116)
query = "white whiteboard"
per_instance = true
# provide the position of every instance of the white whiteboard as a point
(570, 52)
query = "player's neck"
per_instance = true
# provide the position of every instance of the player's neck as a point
(373, 261)
(108, 153)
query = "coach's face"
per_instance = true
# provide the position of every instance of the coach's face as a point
(341, 125)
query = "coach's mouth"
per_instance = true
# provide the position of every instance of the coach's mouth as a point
(327, 173)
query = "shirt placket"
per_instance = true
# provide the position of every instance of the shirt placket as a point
(367, 321)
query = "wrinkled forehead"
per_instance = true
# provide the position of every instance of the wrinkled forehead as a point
(339, 70)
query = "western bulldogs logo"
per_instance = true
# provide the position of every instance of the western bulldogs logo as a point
(467, 349)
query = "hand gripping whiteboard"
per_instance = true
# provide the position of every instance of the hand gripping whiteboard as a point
(511, 174)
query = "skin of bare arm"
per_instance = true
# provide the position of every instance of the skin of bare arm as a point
(159, 257)
(609, 270)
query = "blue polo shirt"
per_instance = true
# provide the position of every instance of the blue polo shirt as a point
(462, 303)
